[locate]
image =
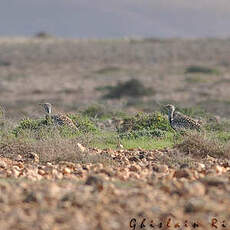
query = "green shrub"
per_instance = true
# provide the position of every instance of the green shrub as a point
(83, 123)
(29, 124)
(143, 124)
(5, 63)
(132, 88)
(40, 128)
(201, 69)
(43, 35)
(108, 70)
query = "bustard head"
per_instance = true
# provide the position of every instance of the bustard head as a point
(47, 107)
(170, 107)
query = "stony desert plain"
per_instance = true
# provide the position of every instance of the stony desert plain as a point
(125, 168)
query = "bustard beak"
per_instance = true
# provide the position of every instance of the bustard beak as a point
(43, 104)
(166, 106)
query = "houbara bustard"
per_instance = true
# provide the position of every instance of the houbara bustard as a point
(180, 121)
(58, 119)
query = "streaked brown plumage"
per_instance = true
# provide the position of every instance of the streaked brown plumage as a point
(180, 121)
(58, 119)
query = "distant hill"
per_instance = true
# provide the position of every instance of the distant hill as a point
(116, 18)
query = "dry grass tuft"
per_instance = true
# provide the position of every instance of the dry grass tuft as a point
(11, 148)
(51, 150)
(199, 145)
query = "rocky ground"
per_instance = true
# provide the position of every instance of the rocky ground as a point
(138, 190)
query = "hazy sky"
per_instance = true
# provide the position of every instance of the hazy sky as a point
(116, 18)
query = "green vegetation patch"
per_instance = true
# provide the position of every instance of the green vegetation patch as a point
(84, 123)
(27, 125)
(201, 69)
(5, 63)
(42, 128)
(196, 79)
(144, 124)
(148, 143)
(108, 70)
(131, 88)
(143, 130)
(106, 140)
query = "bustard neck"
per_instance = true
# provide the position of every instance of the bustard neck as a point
(171, 113)
(47, 109)
(48, 113)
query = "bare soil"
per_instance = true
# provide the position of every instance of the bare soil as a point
(67, 73)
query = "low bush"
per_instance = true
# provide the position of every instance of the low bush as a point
(43, 35)
(29, 125)
(132, 88)
(153, 124)
(5, 63)
(108, 70)
(199, 145)
(51, 150)
(83, 123)
(201, 69)
(42, 128)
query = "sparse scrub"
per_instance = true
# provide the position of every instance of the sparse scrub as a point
(223, 136)
(201, 69)
(131, 88)
(108, 70)
(83, 123)
(43, 35)
(101, 112)
(145, 121)
(223, 125)
(199, 145)
(196, 79)
(44, 172)
(176, 159)
(41, 128)
(29, 125)
(51, 150)
(5, 63)
(145, 130)
(67, 150)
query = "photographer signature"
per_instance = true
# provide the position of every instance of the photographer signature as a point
(144, 223)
